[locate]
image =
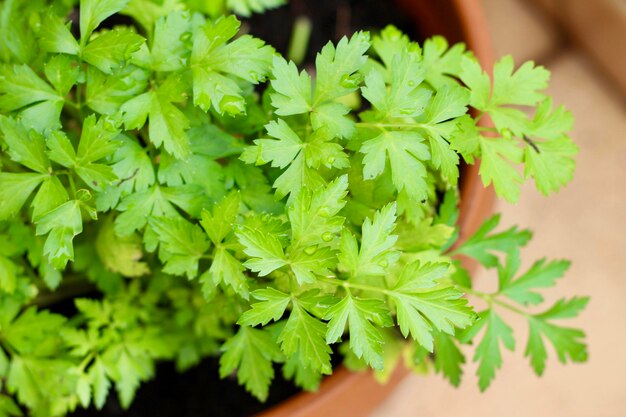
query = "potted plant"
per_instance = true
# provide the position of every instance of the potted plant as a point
(173, 190)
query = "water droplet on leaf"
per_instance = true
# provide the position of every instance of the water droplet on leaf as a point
(232, 105)
(327, 237)
(350, 81)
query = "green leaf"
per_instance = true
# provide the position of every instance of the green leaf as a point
(120, 254)
(312, 261)
(93, 12)
(250, 352)
(219, 222)
(100, 383)
(322, 150)
(488, 351)
(38, 383)
(567, 342)
(292, 90)
(129, 370)
(313, 216)
(280, 151)
(214, 62)
(51, 195)
(336, 67)
(27, 148)
(62, 71)
(483, 243)
(520, 87)
(497, 157)
(361, 316)
(147, 12)
(139, 206)
(105, 94)
(8, 407)
(541, 163)
(15, 188)
(422, 306)
(403, 98)
(197, 169)
(391, 42)
(111, 49)
(272, 307)
(20, 86)
(477, 81)
(289, 150)
(63, 224)
(305, 335)
(97, 141)
(440, 122)
(226, 269)
(264, 249)
(169, 50)
(565, 308)
(443, 64)
(406, 153)
(303, 377)
(168, 124)
(61, 149)
(540, 275)
(247, 7)
(55, 36)
(182, 245)
(337, 75)
(375, 252)
(132, 167)
(8, 275)
(448, 358)
(30, 332)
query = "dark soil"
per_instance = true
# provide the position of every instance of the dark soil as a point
(331, 20)
(200, 392)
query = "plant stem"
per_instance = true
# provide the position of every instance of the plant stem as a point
(492, 299)
(394, 125)
(70, 178)
(299, 40)
(86, 361)
(347, 285)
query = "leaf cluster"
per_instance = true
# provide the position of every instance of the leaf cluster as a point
(221, 202)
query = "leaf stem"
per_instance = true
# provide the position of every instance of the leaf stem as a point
(85, 362)
(394, 125)
(492, 299)
(70, 178)
(347, 285)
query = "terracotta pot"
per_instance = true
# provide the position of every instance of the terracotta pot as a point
(348, 394)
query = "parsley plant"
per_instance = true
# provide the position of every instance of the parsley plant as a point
(194, 194)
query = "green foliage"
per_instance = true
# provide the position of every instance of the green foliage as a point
(225, 203)
(568, 342)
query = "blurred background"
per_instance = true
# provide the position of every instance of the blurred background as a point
(583, 43)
